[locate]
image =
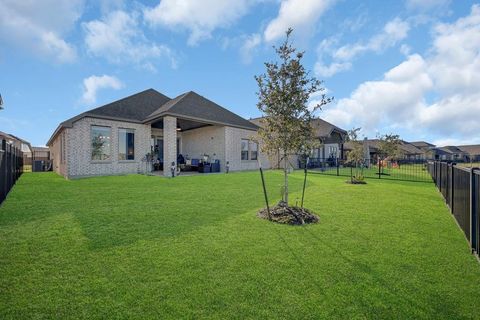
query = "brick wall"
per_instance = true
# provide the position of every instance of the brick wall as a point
(207, 140)
(79, 149)
(233, 149)
(169, 144)
(59, 166)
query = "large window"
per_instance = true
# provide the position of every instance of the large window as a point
(101, 141)
(244, 149)
(126, 144)
(253, 150)
(249, 150)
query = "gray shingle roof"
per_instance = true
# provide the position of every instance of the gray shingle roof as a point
(422, 144)
(321, 127)
(473, 149)
(150, 105)
(133, 108)
(194, 106)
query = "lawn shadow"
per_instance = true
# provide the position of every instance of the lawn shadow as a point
(156, 208)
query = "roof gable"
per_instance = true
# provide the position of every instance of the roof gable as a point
(194, 106)
(135, 107)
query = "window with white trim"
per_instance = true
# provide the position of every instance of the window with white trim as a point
(253, 150)
(101, 143)
(126, 144)
(244, 148)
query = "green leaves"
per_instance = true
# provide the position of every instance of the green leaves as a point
(283, 95)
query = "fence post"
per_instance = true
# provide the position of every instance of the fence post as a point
(379, 168)
(338, 165)
(450, 186)
(473, 212)
(4, 174)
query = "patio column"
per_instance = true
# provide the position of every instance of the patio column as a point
(169, 144)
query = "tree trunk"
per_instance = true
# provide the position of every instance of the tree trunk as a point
(285, 172)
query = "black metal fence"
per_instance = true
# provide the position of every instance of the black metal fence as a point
(11, 162)
(407, 170)
(460, 188)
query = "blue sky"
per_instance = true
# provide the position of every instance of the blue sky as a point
(410, 67)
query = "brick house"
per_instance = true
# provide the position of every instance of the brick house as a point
(116, 138)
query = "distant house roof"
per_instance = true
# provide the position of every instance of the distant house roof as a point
(473, 149)
(407, 147)
(450, 149)
(40, 149)
(150, 105)
(324, 128)
(422, 144)
(321, 127)
(9, 136)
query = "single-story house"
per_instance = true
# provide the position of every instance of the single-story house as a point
(449, 153)
(472, 152)
(123, 136)
(371, 150)
(19, 143)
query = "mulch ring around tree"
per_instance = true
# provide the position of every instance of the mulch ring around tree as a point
(289, 215)
(356, 182)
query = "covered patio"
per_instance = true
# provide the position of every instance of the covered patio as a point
(189, 146)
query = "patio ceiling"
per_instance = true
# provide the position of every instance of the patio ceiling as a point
(182, 124)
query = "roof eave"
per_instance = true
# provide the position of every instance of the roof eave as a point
(150, 120)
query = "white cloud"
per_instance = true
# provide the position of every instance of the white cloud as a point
(393, 32)
(301, 15)
(200, 18)
(40, 26)
(249, 46)
(92, 84)
(118, 38)
(450, 73)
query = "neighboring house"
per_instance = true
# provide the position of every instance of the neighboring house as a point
(41, 153)
(116, 138)
(472, 152)
(330, 137)
(371, 150)
(19, 143)
(449, 153)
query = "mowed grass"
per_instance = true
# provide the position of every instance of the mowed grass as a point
(192, 247)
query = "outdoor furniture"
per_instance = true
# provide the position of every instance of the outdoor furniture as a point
(205, 167)
(215, 166)
(194, 164)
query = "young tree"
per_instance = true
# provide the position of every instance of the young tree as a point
(284, 91)
(389, 146)
(356, 155)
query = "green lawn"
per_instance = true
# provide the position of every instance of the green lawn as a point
(191, 247)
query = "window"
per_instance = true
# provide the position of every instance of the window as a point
(244, 149)
(126, 144)
(332, 150)
(253, 150)
(100, 143)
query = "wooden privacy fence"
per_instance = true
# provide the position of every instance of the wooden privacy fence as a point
(11, 162)
(460, 188)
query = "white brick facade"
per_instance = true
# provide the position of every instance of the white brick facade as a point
(79, 149)
(169, 144)
(207, 140)
(233, 150)
(219, 142)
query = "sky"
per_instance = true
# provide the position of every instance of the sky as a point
(407, 67)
